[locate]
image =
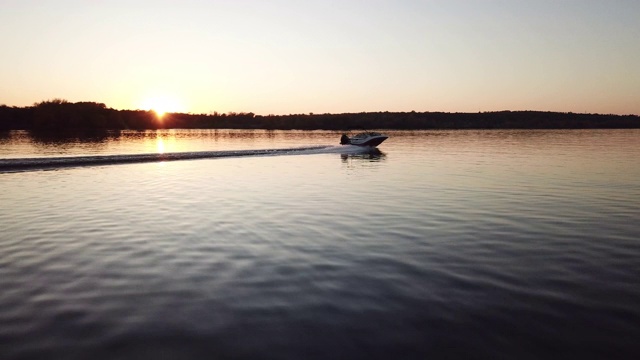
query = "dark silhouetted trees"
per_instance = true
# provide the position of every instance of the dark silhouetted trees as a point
(59, 115)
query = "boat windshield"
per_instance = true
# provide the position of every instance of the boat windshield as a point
(365, 134)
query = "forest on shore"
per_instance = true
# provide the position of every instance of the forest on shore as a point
(60, 115)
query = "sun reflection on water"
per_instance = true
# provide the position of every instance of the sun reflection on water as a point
(160, 144)
(162, 141)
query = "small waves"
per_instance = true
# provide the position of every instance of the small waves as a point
(48, 163)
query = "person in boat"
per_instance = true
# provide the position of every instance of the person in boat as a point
(344, 139)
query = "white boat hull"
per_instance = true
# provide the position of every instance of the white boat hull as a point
(370, 139)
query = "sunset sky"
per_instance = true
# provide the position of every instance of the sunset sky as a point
(286, 56)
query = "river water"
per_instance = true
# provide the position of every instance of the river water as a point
(474, 244)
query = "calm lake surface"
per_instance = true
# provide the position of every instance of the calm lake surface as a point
(476, 244)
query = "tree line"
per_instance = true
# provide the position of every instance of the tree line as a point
(60, 115)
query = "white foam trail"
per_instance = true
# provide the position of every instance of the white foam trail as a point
(341, 149)
(23, 164)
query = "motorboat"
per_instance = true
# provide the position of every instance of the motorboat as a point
(368, 138)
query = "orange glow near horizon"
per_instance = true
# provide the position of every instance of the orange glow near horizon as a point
(161, 105)
(436, 56)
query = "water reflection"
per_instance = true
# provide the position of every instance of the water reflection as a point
(83, 136)
(160, 145)
(80, 141)
(370, 157)
(5, 136)
(461, 245)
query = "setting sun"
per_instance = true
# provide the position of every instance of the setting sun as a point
(162, 105)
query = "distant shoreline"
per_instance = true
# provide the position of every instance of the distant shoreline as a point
(59, 116)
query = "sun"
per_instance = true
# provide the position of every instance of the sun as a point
(161, 105)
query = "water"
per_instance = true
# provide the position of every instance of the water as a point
(475, 244)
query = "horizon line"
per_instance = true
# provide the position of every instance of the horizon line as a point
(312, 113)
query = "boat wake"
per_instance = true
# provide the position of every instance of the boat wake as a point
(50, 163)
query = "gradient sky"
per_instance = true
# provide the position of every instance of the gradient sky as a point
(287, 56)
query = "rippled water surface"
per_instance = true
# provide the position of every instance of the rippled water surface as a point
(476, 244)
